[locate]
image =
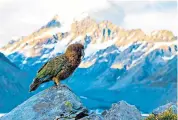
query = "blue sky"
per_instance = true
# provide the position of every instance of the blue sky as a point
(22, 17)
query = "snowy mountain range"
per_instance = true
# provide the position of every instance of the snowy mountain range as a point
(119, 64)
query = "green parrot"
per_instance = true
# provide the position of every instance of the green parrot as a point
(60, 67)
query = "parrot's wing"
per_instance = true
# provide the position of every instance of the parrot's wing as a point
(52, 67)
(48, 70)
(42, 67)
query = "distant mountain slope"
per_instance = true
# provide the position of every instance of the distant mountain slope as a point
(147, 85)
(3, 58)
(12, 83)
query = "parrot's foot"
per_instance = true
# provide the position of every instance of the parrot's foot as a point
(62, 85)
(56, 85)
(56, 81)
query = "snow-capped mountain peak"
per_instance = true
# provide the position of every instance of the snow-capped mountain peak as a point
(57, 34)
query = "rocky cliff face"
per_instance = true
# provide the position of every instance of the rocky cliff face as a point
(59, 103)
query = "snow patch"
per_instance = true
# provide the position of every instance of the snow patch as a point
(112, 52)
(168, 58)
(48, 46)
(24, 62)
(103, 60)
(145, 115)
(28, 47)
(159, 44)
(2, 114)
(122, 48)
(140, 48)
(36, 62)
(77, 39)
(45, 56)
(83, 97)
(92, 48)
(60, 46)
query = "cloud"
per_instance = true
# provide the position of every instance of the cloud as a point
(146, 15)
(112, 12)
(22, 17)
(151, 21)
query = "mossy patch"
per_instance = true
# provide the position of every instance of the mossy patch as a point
(167, 115)
(68, 104)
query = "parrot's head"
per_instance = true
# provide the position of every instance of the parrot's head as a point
(75, 49)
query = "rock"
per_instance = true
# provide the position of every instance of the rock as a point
(60, 103)
(92, 116)
(122, 111)
(55, 103)
(163, 108)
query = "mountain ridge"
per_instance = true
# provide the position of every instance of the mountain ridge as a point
(99, 33)
(12, 84)
(119, 64)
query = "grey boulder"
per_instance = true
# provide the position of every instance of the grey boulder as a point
(122, 111)
(55, 103)
(163, 108)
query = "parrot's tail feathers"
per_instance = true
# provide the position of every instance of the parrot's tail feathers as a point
(35, 84)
